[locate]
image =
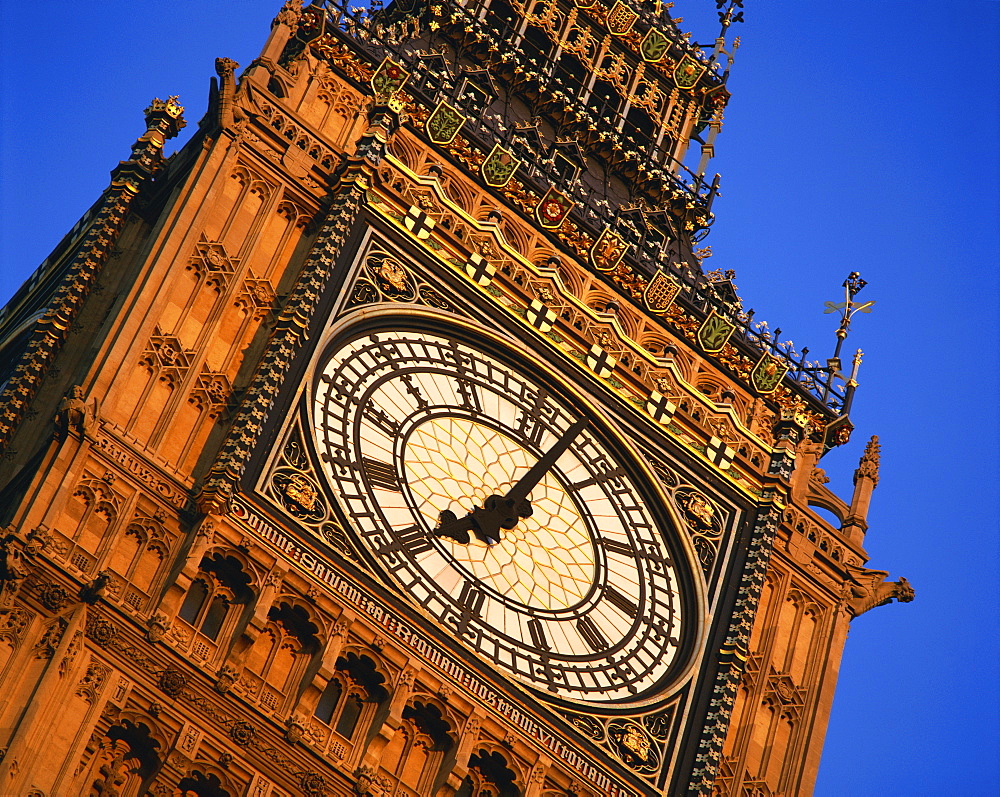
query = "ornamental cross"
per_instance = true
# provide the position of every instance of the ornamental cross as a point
(847, 309)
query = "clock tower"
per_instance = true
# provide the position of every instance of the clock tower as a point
(391, 438)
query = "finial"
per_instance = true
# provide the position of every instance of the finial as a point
(847, 309)
(868, 466)
(165, 116)
(852, 287)
(726, 9)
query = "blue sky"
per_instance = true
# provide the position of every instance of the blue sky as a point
(861, 136)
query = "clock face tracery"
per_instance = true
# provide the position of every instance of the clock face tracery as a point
(571, 588)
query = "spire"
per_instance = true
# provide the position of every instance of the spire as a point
(868, 466)
(848, 308)
(865, 481)
(75, 276)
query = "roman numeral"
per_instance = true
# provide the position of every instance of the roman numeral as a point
(620, 602)
(598, 479)
(380, 474)
(614, 546)
(470, 602)
(386, 350)
(537, 631)
(412, 540)
(530, 422)
(413, 390)
(469, 396)
(380, 418)
(542, 668)
(591, 634)
(658, 562)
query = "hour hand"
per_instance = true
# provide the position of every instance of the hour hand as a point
(486, 522)
(453, 527)
(498, 513)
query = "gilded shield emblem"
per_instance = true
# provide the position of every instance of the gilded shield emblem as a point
(687, 72)
(607, 251)
(654, 46)
(553, 209)
(714, 332)
(621, 18)
(499, 167)
(767, 373)
(388, 78)
(661, 292)
(444, 123)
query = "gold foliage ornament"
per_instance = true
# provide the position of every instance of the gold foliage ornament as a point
(389, 78)
(767, 373)
(698, 509)
(299, 495)
(714, 332)
(499, 167)
(621, 18)
(553, 208)
(688, 72)
(654, 45)
(660, 292)
(444, 123)
(607, 251)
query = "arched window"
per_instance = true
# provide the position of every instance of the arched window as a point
(220, 585)
(328, 701)
(137, 556)
(197, 784)
(126, 762)
(349, 699)
(194, 602)
(348, 721)
(488, 775)
(280, 654)
(417, 749)
(215, 616)
(126, 548)
(91, 512)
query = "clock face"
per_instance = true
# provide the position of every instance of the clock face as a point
(569, 585)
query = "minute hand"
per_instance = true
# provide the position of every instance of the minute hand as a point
(529, 480)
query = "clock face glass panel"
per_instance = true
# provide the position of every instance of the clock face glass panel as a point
(581, 597)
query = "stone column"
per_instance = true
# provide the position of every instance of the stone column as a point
(865, 482)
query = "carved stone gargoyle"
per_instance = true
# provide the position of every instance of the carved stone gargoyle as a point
(76, 414)
(865, 589)
(13, 570)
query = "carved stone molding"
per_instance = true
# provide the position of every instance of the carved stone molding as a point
(213, 262)
(167, 355)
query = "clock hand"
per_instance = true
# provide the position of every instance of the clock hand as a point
(503, 512)
(453, 527)
(519, 492)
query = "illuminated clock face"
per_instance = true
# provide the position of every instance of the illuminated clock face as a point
(502, 511)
